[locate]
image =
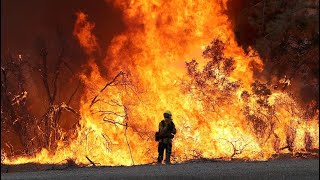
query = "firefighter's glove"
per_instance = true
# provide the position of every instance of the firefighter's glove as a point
(171, 136)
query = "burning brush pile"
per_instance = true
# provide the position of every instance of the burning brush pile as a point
(181, 56)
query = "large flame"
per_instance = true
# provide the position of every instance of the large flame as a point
(147, 75)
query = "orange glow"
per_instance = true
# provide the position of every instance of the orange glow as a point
(160, 37)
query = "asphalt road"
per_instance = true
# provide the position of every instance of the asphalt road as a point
(276, 169)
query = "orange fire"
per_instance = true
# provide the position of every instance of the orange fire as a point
(148, 75)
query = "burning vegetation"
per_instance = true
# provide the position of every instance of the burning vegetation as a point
(226, 100)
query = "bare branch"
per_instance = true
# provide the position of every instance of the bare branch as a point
(94, 100)
(108, 141)
(114, 79)
(68, 108)
(125, 132)
(74, 92)
(93, 164)
(236, 150)
(113, 122)
(110, 113)
(44, 74)
(68, 66)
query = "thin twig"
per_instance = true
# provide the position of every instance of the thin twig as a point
(74, 92)
(114, 79)
(91, 161)
(113, 121)
(236, 151)
(125, 133)
(94, 100)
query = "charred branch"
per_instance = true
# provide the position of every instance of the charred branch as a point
(108, 141)
(113, 81)
(44, 74)
(114, 122)
(74, 92)
(236, 148)
(125, 132)
(93, 164)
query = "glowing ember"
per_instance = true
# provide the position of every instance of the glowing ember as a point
(219, 108)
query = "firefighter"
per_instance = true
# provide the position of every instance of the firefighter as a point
(166, 132)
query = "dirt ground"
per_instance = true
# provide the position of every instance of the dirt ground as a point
(276, 169)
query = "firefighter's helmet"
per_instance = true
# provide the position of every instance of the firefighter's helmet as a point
(167, 114)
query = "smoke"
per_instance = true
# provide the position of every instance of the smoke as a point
(25, 21)
(285, 34)
(30, 26)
